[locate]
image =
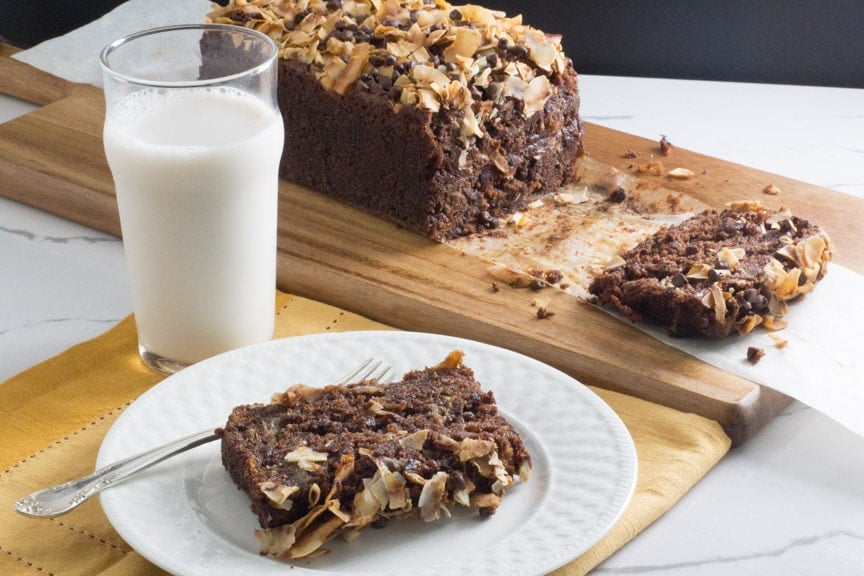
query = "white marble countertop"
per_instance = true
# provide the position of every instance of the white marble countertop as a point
(790, 501)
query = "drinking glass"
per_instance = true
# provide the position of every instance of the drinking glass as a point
(193, 137)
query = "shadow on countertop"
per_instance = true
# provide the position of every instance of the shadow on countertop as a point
(776, 41)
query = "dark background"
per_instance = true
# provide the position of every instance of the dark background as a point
(791, 42)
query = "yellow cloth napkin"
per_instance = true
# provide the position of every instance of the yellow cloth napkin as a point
(53, 418)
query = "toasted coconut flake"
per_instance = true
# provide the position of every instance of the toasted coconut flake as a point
(377, 409)
(276, 541)
(713, 298)
(777, 307)
(730, 257)
(452, 360)
(564, 198)
(748, 323)
(397, 497)
(310, 543)
(525, 471)
(279, 494)
(744, 206)
(306, 458)
(314, 495)
(771, 190)
(540, 50)
(699, 272)
(462, 496)
(415, 441)
(777, 219)
(536, 94)
(432, 497)
(517, 219)
(465, 44)
(471, 448)
(773, 323)
(681, 174)
(486, 501)
(294, 394)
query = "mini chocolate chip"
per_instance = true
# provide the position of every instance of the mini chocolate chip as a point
(519, 52)
(617, 195)
(691, 250)
(713, 275)
(455, 15)
(678, 280)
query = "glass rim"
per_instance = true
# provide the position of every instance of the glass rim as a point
(133, 79)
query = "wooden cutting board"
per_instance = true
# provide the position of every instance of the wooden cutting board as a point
(52, 158)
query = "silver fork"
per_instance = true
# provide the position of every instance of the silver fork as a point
(60, 499)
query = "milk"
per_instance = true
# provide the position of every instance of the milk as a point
(195, 174)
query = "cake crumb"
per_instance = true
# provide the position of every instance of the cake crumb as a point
(544, 313)
(771, 190)
(754, 354)
(665, 145)
(630, 154)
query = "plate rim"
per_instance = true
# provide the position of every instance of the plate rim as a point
(628, 461)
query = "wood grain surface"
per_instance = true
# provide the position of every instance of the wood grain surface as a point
(52, 159)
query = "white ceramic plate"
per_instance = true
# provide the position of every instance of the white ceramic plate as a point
(186, 516)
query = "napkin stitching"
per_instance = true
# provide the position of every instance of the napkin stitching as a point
(60, 441)
(29, 564)
(98, 539)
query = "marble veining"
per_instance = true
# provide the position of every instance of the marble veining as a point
(34, 237)
(46, 322)
(720, 564)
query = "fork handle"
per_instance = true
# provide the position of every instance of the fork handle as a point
(63, 498)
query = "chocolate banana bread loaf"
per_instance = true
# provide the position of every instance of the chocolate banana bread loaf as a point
(438, 117)
(322, 462)
(718, 271)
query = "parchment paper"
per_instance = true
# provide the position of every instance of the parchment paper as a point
(821, 363)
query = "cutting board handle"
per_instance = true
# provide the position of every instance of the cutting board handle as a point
(30, 84)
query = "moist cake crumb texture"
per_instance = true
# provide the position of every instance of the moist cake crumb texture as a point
(322, 462)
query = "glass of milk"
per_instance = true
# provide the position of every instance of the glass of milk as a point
(193, 136)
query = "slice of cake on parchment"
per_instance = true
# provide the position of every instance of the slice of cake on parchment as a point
(318, 463)
(718, 272)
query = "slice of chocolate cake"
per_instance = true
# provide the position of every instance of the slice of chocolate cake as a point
(442, 118)
(322, 462)
(718, 271)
